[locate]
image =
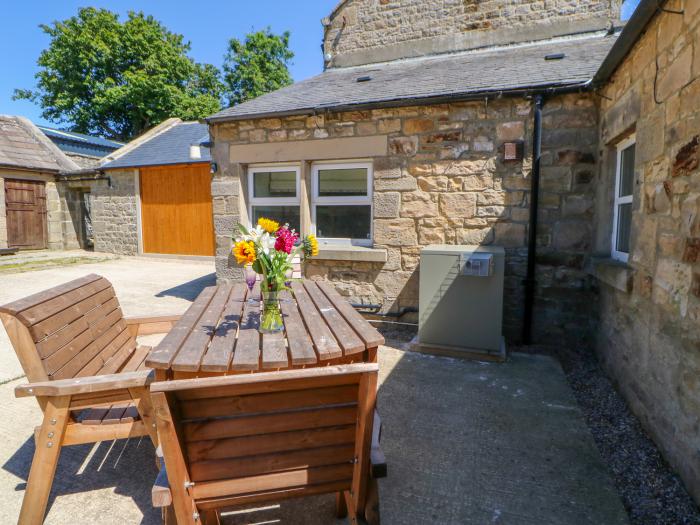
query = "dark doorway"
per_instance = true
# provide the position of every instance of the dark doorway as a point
(25, 205)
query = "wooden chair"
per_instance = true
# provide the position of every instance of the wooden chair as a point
(85, 370)
(254, 438)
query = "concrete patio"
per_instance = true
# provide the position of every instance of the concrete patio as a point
(466, 442)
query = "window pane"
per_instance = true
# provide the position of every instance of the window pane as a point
(624, 225)
(281, 214)
(347, 182)
(345, 222)
(627, 171)
(275, 184)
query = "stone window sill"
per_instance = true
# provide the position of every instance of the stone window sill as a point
(613, 273)
(351, 253)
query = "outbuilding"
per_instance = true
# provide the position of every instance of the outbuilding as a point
(159, 199)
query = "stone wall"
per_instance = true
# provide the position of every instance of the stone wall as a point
(443, 180)
(649, 316)
(3, 215)
(365, 31)
(114, 213)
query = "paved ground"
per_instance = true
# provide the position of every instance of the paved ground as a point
(144, 286)
(466, 442)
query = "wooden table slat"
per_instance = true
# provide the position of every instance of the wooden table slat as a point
(246, 355)
(163, 354)
(368, 333)
(218, 357)
(274, 351)
(189, 358)
(301, 348)
(238, 292)
(323, 339)
(344, 334)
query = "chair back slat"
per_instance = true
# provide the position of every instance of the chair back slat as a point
(76, 329)
(295, 431)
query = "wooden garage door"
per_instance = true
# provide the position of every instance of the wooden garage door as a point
(176, 213)
(25, 204)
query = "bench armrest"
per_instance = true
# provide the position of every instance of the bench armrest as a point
(377, 459)
(151, 325)
(86, 385)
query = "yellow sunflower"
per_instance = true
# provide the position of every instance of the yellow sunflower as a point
(268, 225)
(244, 251)
(310, 244)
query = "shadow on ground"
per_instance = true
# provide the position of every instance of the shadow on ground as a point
(127, 466)
(191, 289)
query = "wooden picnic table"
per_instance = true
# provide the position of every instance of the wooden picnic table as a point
(218, 334)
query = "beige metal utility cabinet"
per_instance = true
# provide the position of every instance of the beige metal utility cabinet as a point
(461, 301)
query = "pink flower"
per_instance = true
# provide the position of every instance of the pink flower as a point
(285, 240)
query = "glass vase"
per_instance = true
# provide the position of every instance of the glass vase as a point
(271, 317)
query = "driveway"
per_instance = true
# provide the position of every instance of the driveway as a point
(144, 286)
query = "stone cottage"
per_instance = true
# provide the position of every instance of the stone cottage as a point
(31, 211)
(434, 121)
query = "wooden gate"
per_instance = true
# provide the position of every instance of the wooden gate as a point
(176, 210)
(25, 205)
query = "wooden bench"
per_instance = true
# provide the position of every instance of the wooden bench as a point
(255, 438)
(84, 368)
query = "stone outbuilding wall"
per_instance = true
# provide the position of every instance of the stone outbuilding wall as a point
(115, 213)
(649, 314)
(441, 178)
(366, 31)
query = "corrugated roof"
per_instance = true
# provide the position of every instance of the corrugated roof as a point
(24, 146)
(467, 74)
(171, 146)
(81, 138)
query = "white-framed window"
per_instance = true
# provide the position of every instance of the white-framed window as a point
(341, 207)
(274, 192)
(622, 210)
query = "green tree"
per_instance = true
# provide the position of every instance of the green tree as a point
(257, 66)
(117, 79)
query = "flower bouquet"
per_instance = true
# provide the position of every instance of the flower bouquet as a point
(269, 249)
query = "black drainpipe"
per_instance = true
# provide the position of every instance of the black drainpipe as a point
(532, 228)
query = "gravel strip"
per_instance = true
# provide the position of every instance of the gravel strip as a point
(651, 492)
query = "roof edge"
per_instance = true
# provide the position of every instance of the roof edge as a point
(628, 37)
(413, 101)
(138, 141)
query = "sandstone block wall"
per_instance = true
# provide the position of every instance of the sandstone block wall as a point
(443, 180)
(649, 315)
(365, 31)
(114, 213)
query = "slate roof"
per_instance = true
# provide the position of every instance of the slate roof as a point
(72, 142)
(24, 146)
(81, 137)
(467, 74)
(171, 146)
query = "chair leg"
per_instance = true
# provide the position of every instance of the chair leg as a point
(372, 503)
(48, 449)
(142, 398)
(210, 517)
(341, 509)
(168, 514)
(350, 506)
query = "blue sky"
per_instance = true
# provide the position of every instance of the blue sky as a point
(207, 25)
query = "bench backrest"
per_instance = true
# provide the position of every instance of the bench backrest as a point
(75, 329)
(242, 437)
